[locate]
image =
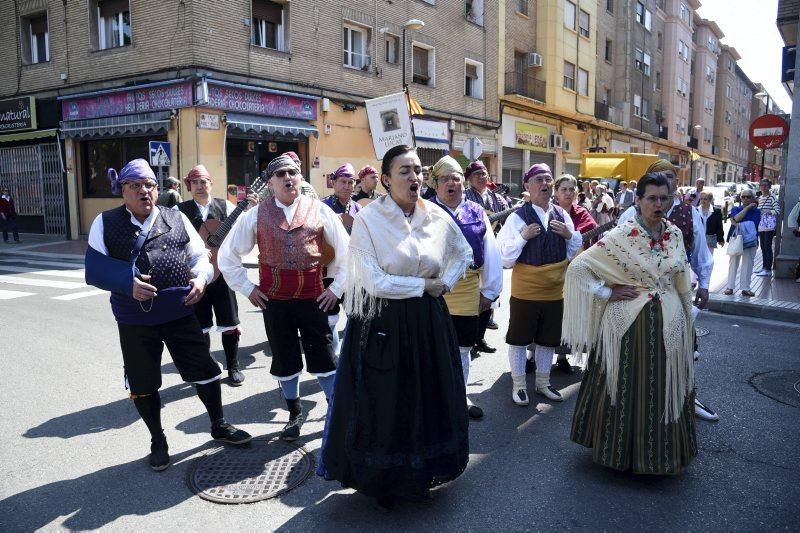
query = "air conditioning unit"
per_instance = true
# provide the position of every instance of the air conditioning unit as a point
(556, 141)
(567, 146)
(534, 60)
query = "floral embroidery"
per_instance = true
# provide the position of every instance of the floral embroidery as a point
(634, 233)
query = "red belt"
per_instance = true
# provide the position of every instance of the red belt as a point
(282, 284)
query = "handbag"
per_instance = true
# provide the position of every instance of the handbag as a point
(768, 222)
(735, 245)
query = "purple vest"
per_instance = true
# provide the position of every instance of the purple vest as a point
(352, 207)
(547, 248)
(470, 220)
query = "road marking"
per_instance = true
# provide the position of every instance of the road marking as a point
(8, 295)
(65, 264)
(79, 274)
(14, 280)
(76, 295)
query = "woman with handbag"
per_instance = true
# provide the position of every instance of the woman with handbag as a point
(742, 243)
(770, 211)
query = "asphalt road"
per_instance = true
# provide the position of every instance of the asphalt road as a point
(73, 449)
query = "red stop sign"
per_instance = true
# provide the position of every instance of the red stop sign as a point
(768, 131)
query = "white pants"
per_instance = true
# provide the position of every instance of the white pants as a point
(745, 273)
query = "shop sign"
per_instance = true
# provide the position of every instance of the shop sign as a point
(208, 121)
(531, 137)
(18, 114)
(129, 102)
(431, 130)
(389, 122)
(261, 103)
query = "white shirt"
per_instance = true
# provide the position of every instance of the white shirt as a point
(511, 242)
(195, 248)
(243, 238)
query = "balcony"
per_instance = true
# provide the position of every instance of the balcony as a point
(527, 85)
(601, 111)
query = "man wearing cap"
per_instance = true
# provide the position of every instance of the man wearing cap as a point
(291, 230)
(155, 265)
(368, 180)
(219, 300)
(170, 197)
(538, 240)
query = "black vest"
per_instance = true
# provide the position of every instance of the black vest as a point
(163, 255)
(217, 210)
(547, 248)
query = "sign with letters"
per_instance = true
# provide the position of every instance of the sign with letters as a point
(18, 114)
(389, 122)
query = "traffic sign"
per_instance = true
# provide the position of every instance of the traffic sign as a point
(160, 154)
(768, 131)
(472, 149)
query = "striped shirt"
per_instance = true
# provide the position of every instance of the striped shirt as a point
(769, 202)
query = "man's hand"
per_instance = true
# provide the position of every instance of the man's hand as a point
(485, 304)
(560, 229)
(198, 288)
(258, 298)
(434, 286)
(252, 199)
(530, 231)
(623, 292)
(143, 291)
(327, 300)
(701, 298)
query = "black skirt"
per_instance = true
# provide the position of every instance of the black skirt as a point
(398, 424)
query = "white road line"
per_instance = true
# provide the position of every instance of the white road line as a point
(8, 295)
(65, 264)
(14, 280)
(76, 295)
(79, 274)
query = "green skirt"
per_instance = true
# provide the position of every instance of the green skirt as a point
(632, 434)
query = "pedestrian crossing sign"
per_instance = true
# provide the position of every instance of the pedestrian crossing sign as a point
(159, 154)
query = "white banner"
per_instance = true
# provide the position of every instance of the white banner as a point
(389, 122)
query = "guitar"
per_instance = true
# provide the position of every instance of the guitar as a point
(213, 231)
(501, 216)
(594, 232)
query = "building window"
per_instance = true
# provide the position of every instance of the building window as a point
(683, 51)
(643, 16)
(569, 76)
(473, 78)
(683, 87)
(686, 14)
(710, 74)
(392, 54)
(610, 6)
(642, 61)
(728, 92)
(113, 24)
(645, 108)
(658, 80)
(474, 11)
(583, 82)
(269, 25)
(570, 12)
(356, 47)
(423, 64)
(36, 48)
(583, 23)
(660, 40)
(608, 51)
(102, 154)
(726, 144)
(637, 105)
(727, 117)
(706, 135)
(522, 7)
(730, 64)
(709, 105)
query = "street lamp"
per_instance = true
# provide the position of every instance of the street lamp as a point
(411, 25)
(693, 145)
(760, 95)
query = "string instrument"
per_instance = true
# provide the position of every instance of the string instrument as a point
(501, 216)
(588, 235)
(214, 232)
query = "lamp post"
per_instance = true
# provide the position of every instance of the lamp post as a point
(411, 25)
(762, 94)
(693, 145)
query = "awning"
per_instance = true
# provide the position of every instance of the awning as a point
(433, 145)
(607, 167)
(158, 123)
(270, 125)
(28, 135)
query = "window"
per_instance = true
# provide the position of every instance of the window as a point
(583, 23)
(728, 92)
(730, 64)
(36, 48)
(727, 117)
(660, 40)
(645, 108)
(708, 104)
(726, 144)
(637, 105)
(113, 24)
(610, 6)
(569, 76)
(706, 135)
(683, 87)
(712, 43)
(683, 51)
(710, 74)
(356, 47)
(474, 11)
(522, 7)
(608, 51)
(686, 14)
(392, 55)
(583, 82)
(102, 154)
(658, 80)
(269, 25)
(642, 61)
(423, 64)
(473, 78)
(643, 16)
(570, 11)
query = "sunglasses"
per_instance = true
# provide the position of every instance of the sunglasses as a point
(285, 172)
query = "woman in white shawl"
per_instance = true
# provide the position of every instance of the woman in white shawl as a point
(398, 425)
(628, 302)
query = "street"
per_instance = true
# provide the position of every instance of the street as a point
(74, 450)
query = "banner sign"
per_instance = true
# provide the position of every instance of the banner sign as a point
(18, 114)
(531, 137)
(129, 102)
(389, 122)
(432, 130)
(260, 103)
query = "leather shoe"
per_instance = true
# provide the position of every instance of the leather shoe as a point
(564, 366)
(225, 432)
(492, 324)
(481, 346)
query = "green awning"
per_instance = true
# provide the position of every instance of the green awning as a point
(28, 135)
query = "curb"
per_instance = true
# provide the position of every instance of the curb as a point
(774, 310)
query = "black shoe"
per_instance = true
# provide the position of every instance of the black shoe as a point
(235, 377)
(291, 431)
(492, 324)
(159, 453)
(481, 346)
(564, 366)
(475, 412)
(530, 366)
(474, 353)
(224, 432)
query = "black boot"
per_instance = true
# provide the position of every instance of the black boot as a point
(149, 408)
(230, 343)
(291, 431)
(211, 396)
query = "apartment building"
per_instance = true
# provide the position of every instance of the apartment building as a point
(679, 27)
(702, 100)
(725, 113)
(232, 84)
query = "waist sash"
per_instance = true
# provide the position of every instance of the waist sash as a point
(544, 283)
(283, 284)
(465, 298)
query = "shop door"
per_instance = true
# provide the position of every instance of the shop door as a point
(247, 158)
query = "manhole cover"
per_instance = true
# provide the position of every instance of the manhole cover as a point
(781, 385)
(263, 470)
(702, 332)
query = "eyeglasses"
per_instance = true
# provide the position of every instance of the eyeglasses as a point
(747, 196)
(139, 185)
(285, 172)
(200, 182)
(657, 199)
(547, 179)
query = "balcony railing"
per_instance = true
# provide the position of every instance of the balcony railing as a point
(525, 84)
(601, 111)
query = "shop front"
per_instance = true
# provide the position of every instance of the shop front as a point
(525, 143)
(464, 133)
(433, 140)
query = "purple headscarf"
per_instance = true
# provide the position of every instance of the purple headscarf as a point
(539, 169)
(135, 170)
(474, 167)
(344, 170)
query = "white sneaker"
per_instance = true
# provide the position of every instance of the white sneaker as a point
(696, 355)
(550, 393)
(764, 273)
(520, 396)
(704, 412)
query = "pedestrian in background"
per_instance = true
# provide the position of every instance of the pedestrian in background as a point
(170, 197)
(712, 219)
(8, 214)
(770, 210)
(741, 216)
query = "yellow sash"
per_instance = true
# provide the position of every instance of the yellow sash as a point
(465, 298)
(542, 283)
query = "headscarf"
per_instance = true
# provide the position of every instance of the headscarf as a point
(539, 169)
(198, 171)
(474, 167)
(445, 166)
(366, 171)
(662, 165)
(344, 170)
(294, 157)
(135, 170)
(282, 161)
